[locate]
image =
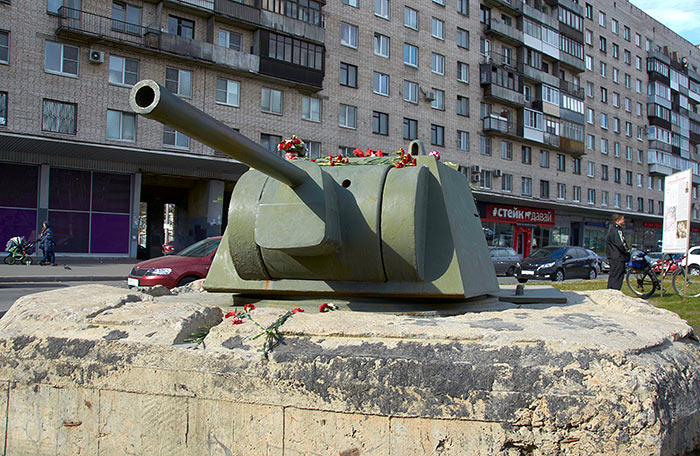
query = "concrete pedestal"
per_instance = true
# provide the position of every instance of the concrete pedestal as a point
(98, 370)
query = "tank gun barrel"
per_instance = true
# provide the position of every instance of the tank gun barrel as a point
(154, 101)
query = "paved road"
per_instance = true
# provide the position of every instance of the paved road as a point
(10, 292)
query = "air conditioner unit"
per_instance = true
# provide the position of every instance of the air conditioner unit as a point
(476, 169)
(476, 177)
(497, 173)
(96, 56)
(430, 96)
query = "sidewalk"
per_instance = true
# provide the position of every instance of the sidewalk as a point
(69, 269)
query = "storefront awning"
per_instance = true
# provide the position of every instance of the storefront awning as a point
(225, 167)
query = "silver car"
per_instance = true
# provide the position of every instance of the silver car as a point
(505, 260)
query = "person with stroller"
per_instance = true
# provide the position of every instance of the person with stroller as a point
(48, 243)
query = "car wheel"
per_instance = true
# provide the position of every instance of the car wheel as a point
(510, 271)
(558, 275)
(522, 280)
(592, 274)
(186, 280)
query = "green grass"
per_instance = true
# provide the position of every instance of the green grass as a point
(689, 311)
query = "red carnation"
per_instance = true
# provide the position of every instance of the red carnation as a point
(236, 321)
(358, 153)
(248, 307)
(230, 314)
(296, 141)
(324, 307)
(380, 153)
(297, 310)
(413, 162)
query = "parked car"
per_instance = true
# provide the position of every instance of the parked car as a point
(169, 248)
(659, 266)
(598, 260)
(557, 262)
(172, 271)
(505, 260)
(693, 257)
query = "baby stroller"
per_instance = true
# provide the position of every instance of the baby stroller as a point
(18, 251)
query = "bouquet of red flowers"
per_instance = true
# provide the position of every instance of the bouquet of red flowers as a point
(292, 147)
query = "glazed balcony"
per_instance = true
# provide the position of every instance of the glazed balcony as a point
(202, 4)
(504, 32)
(666, 164)
(243, 14)
(569, 4)
(93, 28)
(499, 125)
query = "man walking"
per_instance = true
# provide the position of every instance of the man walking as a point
(617, 252)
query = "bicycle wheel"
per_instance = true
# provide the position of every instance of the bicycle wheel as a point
(692, 287)
(640, 282)
(9, 259)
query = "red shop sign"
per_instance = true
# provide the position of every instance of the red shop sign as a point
(515, 214)
(652, 225)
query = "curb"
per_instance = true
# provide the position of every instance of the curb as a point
(30, 279)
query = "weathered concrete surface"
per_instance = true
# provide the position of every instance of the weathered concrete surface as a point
(99, 370)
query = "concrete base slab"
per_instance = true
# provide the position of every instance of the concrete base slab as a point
(601, 374)
(538, 294)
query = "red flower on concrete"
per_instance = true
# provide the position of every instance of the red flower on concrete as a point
(297, 310)
(230, 314)
(327, 307)
(248, 307)
(236, 321)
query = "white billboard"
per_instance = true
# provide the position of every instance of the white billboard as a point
(676, 230)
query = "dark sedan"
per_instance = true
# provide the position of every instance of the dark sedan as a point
(557, 263)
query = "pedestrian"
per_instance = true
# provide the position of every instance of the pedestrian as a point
(617, 252)
(48, 243)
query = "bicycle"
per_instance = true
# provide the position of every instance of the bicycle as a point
(643, 280)
(691, 288)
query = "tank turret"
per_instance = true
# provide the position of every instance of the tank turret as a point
(359, 232)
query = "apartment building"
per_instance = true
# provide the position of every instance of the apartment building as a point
(559, 113)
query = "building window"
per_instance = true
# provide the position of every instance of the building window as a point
(123, 71)
(591, 169)
(485, 145)
(410, 92)
(576, 166)
(561, 191)
(604, 198)
(660, 208)
(381, 8)
(380, 123)
(617, 173)
(614, 26)
(616, 99)
(604, 146)
(604, 172)
(181, 26)
(628, 176)
(463, 72)
(348, 35)
(230, 40)
(410, 55)
(270, 143)
(438, 99)
(640, 180)
(626, 33)
(544, 158)
(73, 7)
(640, 204)
(227, 92)
(616, 125)
(271, 101)
(591, 196)
(352, 3)
(3, 108)
(179, 82)
(544, 189)
(347, 116)
(527, 186)
(61, 58)
(485, 178)
(4, 46)
(590, 115)
(410, 129)
(462, 38)
(589, 62)
(410, 18)
(381, 45)
(617, 200)
(601, 18)
(507, 183)
(561, 162)
(628, 202)
(506, 150)
(589, 89)
(650, 208)
(437, 135)
(59, 117)
(174, 138)
(603, 121)
(294, 51)
(463, 7)
(121, 126)
(438, 29)
(313, 149)
(603, 94)
(126, 18)
(348, 75)
(311, 109)
(438, 63)
(526, 155)
(381, 84)
(589, 11)
(577, 193)
(462, 106)
(603, 45)
(462, 140)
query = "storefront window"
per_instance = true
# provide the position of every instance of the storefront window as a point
(18, 201)
(594, 239)
(541, 237)
(560, 235)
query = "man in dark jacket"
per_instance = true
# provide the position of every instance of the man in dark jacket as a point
(617, 252)
(47, 240)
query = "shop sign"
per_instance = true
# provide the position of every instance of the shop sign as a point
(658, 226)
(515, 214)
(676, 225)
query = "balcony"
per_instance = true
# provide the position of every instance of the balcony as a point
(499, 125)
(504, 32)
(538, 75)
(694, 116)
(514, 7)
(203, 4)
(665, 163)
(571, 145)
(551, 139)
(503, 94)
(243, 14)
(573, 63)
(570, 89)
(90, 28)
(569, 4)
(290, 72)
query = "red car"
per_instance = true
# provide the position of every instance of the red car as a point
(172, 271)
